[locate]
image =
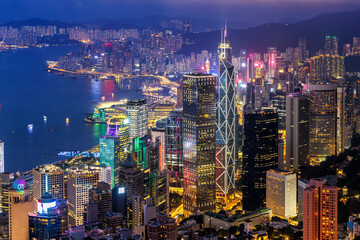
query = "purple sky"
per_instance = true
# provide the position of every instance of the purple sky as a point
(253, 11)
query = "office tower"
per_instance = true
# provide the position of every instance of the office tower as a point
(119, 200)
(80, 180)
(199, 129)
(179, 94)
(140, 151)
(103, 197)
(281, 193)
(341, 133)
(278, 100)
(356, 45)
(225, 129)
(253, 96)
(149, 210)
(45, 223)
(113, 220)
(136, 218)
(320, 211)
(174, 148)
(162, 228)
(260, 154)
(20, 204)
(272, 54)
(159, 132)
(302, 185)
(2, 163)
(5, 185)
(48, 179)
(137, 112)
(323, 118)
(160, 190)
(297, 131)
(63, 207)
(224, 48)
(91, 213)
(326, 68)
(110, 155)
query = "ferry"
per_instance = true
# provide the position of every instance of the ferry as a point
(67, 120)
(30, 126)
(45, 118)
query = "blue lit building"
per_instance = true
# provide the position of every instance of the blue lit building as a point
(45, 223)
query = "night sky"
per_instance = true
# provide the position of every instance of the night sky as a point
(252, 11)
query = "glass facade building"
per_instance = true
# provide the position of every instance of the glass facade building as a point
(137, 112)
(260, 154)
(199, 130)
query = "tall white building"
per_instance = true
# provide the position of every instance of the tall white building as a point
(281, 193)
(137, 112)
(80, 180)
(2, 162)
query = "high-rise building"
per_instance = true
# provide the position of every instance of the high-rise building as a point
(320, 213)
(199, 130)
(326, 68)
(5, 185)
(327, 45)
(20, 204)
(297, 131)
(278, 100)
(80, 180)
(272, 54)
(115, 145)
(323, 119)
(281, 193)
(260, 154)
(159, 132)
(174, 148)
(103, 197)
(48, 179)
(160, 190)
(356, 45)
(162, 228)
(2, 163)
(225, 128)
(302, 185)
(63, 207)
(224, 48)
(341, 133)
(45, 222)
(334, 45)
(137, 112)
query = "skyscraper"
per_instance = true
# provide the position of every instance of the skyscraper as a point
(297, 131)
(137, 112)
(326, 68)
(327, 45)
(320, 211)
(272, 54)
(80, 180)
(225, 125)
(45, 222)
(48, 179)
(260, 154)
(199, 130)
(322, 122)
(2, 163)
(110, 155)
(174, 148)
(281, 193)
(102, 196)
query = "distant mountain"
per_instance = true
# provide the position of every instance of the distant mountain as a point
(38, 22)
(344, 25)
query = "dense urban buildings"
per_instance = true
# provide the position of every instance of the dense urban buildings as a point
(137, 112)
(2, 166)
(199, 128)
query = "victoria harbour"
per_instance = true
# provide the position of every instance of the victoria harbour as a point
(28, 93)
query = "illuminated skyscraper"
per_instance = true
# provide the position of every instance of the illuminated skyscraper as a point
(48, 179)
(114, 146)
(356, 45)
(320, 214)
(327, 45)
(174, 148)
(272, 54)
(224, 48)
(323, 119)
(260, 154)
(137, 112)
(80, 180)
(199, 130)
(45, 223)
(297, 131)
(225, 124)
(281, 193)
(2, 163)
(334, 45)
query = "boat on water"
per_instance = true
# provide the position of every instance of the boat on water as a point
(30, 126)
(67, 120)
(45, 118)
(51, 128)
